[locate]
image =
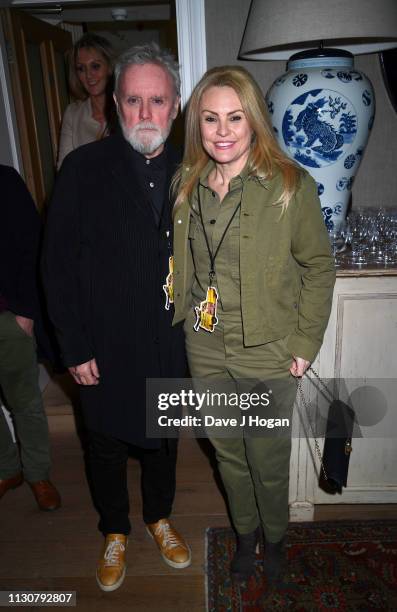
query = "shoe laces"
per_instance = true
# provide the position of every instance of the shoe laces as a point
(112, 552)
(169, 535)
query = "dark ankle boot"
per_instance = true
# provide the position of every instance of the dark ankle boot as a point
(273, 561)
(242, 565)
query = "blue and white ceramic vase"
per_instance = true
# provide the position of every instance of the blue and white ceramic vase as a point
(322, 112)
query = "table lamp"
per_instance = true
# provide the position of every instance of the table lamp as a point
(322, 109)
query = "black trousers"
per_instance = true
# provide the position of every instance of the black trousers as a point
(107, 462)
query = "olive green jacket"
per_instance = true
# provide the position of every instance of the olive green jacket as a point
(287, 270)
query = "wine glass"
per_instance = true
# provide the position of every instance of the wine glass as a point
(356, 236)
(337, 236)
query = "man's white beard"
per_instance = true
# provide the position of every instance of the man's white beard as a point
(142, 141)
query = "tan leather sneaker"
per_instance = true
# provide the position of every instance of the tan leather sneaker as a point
(173, 547)
(111, 567)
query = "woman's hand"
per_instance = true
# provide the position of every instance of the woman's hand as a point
(86, 373)
(299, 366)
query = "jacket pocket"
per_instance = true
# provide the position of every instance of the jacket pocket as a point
(281, 297)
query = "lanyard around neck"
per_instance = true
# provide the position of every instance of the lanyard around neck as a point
(211, 255)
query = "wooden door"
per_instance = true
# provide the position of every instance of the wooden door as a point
(39, 81)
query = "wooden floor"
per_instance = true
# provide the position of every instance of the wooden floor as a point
(58, 551)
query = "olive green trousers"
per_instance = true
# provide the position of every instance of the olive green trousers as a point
(254, 468)
(19, 384)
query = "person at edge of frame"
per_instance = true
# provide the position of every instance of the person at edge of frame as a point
(21, 322)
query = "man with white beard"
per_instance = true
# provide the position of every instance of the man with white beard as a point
(106, 260)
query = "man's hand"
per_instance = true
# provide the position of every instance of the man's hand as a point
(299, 366)
(86, 373)
(25, 324)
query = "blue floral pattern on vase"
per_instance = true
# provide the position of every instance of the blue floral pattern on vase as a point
(367, 98)
(329, 212)
(299, 80)
(323, 125)
(345, 77)
(349, 162)
(357, 76)
(344, 183)
(328, 73)
(281, 80)
(318, 127)
(371, 122)
(320, 189)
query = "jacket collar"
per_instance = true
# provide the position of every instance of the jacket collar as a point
(236, 181)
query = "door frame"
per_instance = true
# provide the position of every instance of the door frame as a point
(192, 48)
(13, 143)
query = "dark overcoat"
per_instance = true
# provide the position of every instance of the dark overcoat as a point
(20, 228)
(20, 235)
(104, 264)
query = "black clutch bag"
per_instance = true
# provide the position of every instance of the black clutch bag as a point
(337, 447)
(337, 441)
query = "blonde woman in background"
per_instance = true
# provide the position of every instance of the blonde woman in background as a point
(89, 118)
(249, 230)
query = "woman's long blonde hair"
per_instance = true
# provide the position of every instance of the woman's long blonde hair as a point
(265, 158)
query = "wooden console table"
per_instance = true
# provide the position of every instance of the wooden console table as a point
(360, 343)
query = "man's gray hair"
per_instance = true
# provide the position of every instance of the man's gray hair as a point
(148, 54)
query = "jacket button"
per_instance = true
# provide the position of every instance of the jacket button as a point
(295, 305)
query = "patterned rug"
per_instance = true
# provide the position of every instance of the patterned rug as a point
(343, 565)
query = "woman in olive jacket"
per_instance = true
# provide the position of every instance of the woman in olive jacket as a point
(253, 280)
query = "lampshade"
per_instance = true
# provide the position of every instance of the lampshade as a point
(276, 29)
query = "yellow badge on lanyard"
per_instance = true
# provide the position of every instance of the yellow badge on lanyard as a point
(206, 313)
(169, 284)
